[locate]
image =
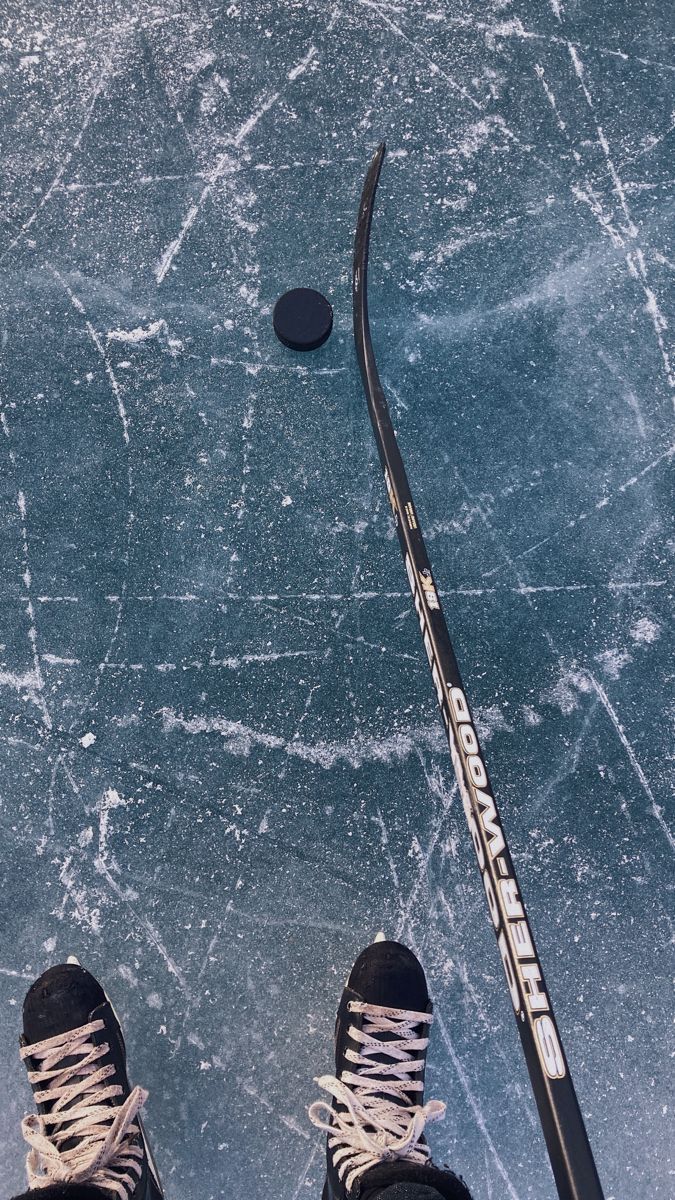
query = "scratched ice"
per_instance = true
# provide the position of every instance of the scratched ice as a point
(223, 769)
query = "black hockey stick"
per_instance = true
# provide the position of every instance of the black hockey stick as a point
(566, 1138)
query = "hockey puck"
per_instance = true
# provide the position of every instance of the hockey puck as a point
(302, 319)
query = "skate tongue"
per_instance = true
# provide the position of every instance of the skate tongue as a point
(63, 998)
(388, 974)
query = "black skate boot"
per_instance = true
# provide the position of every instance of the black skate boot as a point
(87, 1130)
(375, 1126)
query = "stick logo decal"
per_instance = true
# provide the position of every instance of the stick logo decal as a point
(390, 493)
(430, 593)
(514, 937)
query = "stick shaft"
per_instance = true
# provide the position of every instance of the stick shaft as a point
(564, 1131)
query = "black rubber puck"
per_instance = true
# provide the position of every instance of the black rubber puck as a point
(302, 319)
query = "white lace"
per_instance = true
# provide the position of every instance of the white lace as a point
(109, 1151)
(373, 1128)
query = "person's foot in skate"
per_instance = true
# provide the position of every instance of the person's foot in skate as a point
(375, 1126)
(87, 1130)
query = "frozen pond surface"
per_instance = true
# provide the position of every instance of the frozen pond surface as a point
(223, 767)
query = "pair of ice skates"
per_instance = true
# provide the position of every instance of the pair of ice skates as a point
(88, 1129)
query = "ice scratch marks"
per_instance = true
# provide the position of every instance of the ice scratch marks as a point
(154, 939)
(224, 165)
(30, 612)
(103, 863)
(488, 1180)
(479, 134)
(25, 684)
(572, 755)
(583, 516)
(303, 64)
(564, 695)
(56, 181)
(643, 152)
(251, 122)
(207, 959)
(437, 787)
(359, 640)
(499, 544)
(58, 599)
(240, 740)
(247, 424)
(129, 181)
(620, 232)
(587, 195)
(282, 1119)
(114, 385)
(514, 28)
(76, 892)
(562, 125)
(378, 819)
(567, 284)
(635, 259)
(124, 423)
(637, 267)
(270, 598)
(314, 687)
(656, 809)
(630, 228)
(233, 663)
(645, 631)
(474, 1104)
(399, 402)
(84, 910)
(629, 394)
(60, 764)
(477, 1006)
(156, 329)
(305, 1171)
(657, 255)
(253, 368)
(420, 52)
(30, 683)
(335, 15)
(106, 866)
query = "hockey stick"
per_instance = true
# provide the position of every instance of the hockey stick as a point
(569, 1150)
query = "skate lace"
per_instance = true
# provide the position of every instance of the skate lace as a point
(107, 1150)
(378, 1119)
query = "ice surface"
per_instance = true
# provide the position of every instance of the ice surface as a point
(223, 768)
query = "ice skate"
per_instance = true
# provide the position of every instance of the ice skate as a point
(87, 1129)
(376, 1124)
